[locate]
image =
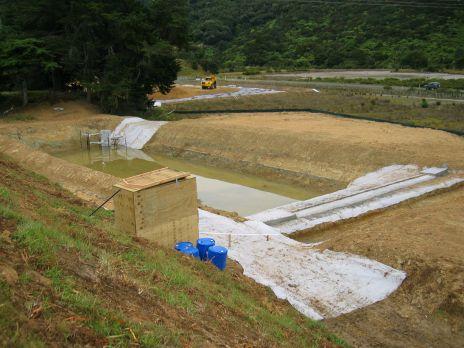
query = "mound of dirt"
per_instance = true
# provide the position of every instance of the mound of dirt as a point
(56, 126)
(319, 146)
(186, 91)
(425, 238)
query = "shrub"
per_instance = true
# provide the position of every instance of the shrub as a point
(424, 104)
(251, 71)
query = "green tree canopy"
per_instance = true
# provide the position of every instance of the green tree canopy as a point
(329, 34)
(118, 50)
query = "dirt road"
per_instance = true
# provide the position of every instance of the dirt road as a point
(376, 74)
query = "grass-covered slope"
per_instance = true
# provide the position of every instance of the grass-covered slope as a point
(68, 279)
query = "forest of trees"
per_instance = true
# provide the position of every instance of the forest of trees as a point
(299, 34)
(116, 51)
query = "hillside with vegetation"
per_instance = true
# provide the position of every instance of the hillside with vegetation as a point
(234, 34)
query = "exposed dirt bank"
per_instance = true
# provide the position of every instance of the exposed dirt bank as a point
(305, 148)
(85, 183)
(425, 238)
(50, 127)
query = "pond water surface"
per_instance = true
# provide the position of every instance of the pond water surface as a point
(217, 188)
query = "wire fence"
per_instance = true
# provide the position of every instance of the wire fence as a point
(229, 236)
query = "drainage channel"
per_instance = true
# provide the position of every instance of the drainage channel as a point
(217, 188)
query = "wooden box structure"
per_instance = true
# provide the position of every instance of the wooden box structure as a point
(160, 206)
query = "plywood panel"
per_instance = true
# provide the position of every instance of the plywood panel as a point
(124, 211)
(165, 213)
(150, 179)
(168, 213)
(166, 203)
(167, 234)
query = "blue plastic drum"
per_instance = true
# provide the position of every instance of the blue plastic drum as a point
(218, 256)
(191, 251)
(182, 245)
(203, 244)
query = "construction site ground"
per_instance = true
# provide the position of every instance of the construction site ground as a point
(180, 91)
(423, 238)
(307, 148)
(54, 126)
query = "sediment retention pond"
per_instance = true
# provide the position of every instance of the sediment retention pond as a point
(220, 189)
(252, 162)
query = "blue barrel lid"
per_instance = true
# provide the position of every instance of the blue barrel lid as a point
(182, 245)
(206, 241)
(191, 250)
(217, 249)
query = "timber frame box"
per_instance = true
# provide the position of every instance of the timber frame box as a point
(160, 206)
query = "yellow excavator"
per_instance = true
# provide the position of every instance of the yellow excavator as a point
(209, 82)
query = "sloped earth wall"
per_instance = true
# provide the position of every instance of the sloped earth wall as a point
(85, 183)
(304, 148)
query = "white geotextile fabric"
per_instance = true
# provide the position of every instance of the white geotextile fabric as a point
(137, 131)
(318, 284)
(377, 190)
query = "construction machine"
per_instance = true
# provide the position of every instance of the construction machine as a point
(209, 82)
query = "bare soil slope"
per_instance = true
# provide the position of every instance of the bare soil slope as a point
(84, 182)
(319, 145)
(425, 238)
(42, 126)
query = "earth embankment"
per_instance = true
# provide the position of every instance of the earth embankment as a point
(424, 238)
(306, 148)
(84, 182)
(58, 126)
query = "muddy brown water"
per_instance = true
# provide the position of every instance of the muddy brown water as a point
(221, 189)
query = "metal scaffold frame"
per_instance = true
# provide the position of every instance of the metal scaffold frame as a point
(102, 138)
